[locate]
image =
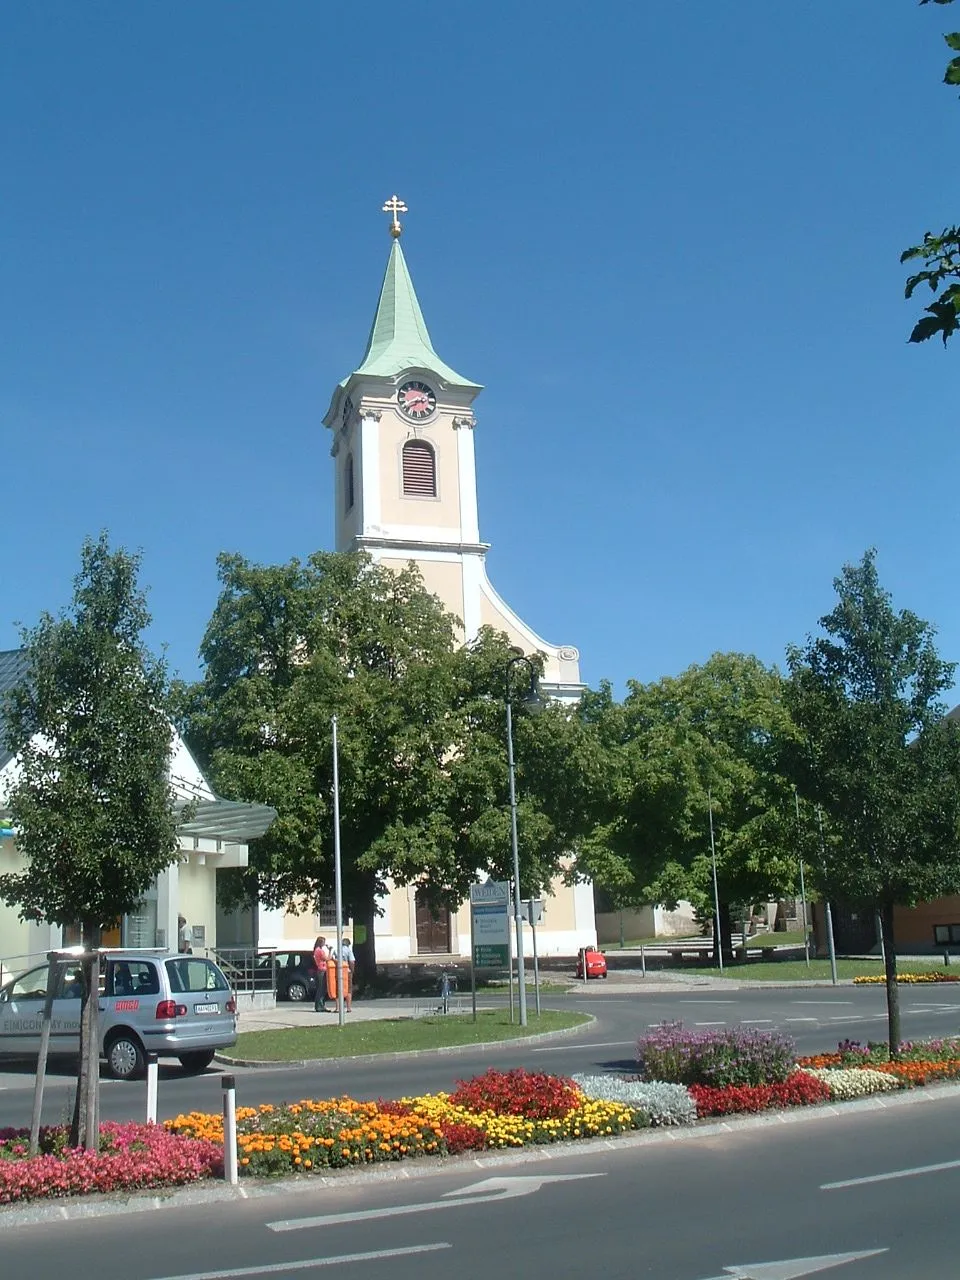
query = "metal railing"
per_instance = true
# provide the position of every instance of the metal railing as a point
(248, 969)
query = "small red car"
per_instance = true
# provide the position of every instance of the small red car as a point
(596, 963)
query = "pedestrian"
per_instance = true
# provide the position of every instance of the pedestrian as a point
(321, 955)
(347, 962)
(183, 936)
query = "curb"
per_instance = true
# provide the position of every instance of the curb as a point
(219, 1193)
(447, 1051)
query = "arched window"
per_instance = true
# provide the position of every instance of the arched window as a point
(348, 483)
(419, 470)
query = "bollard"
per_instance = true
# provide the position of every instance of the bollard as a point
(946, 957)
(152, 1078)
(230, 1171)
(643, 961)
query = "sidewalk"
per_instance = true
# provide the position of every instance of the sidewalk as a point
(288, 1014)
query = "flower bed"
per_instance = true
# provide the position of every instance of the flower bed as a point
(741, 1056)
(494, 1110)
(131, 1156)
(799, 1090)
(935, 975)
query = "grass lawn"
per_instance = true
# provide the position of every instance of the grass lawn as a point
(395, 1035)
(797, 970)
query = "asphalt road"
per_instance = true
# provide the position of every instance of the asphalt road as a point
(817, 1018)
(747, 1203)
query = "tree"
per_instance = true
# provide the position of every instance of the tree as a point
(878, 756)
(421, 738)
(92, 806)
(939, 253)
(706, 739)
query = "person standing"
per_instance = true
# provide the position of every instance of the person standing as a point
(346, 962)
(183, 936)
(321, 956)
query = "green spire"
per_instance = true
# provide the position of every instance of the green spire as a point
(399, 338)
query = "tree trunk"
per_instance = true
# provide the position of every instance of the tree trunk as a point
(890, 967)
(365, 914)
(725, 938)
(85, 1126)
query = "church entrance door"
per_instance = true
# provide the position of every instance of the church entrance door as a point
(433, 929)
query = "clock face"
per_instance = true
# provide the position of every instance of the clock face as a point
(416, 400)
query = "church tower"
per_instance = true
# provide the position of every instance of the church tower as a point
(405, 476)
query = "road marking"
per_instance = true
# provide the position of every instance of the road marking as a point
(793, 1268)
(495, 1189)
(272, 1268)
(845, 1017)
(602, 1044)
(799, 1019)
(822, 1004)
(889, 1177)
(709, 1024)
(708, 1001)
(747, 1021)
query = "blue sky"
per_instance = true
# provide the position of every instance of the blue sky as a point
(664, 236)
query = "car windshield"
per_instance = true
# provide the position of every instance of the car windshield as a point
(193, 973)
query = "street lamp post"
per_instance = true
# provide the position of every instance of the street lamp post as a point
(517, 903)
(337, 874)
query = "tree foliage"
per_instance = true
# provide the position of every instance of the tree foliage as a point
(423, 788)
(706, 738)
(92, 805)
(878, 755)
(939, 253)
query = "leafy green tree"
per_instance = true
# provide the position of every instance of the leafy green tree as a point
(939, 253)
(878, 756)
(92, 805)
(706, 739)
(423, 784)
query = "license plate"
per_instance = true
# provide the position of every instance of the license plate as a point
(206, 1008)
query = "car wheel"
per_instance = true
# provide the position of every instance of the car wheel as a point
(197, 1061)
(125, 1057)
(297, 990)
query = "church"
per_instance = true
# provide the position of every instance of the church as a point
(405, 489)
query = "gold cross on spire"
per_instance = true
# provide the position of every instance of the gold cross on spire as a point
(395, 205)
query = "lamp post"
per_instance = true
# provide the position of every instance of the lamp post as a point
(517, 905)
(337, 874)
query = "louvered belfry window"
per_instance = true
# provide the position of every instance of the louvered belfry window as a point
(419, 470)
(348, 484)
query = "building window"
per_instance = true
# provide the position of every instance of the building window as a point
(348, 483)
(419, 470)
(946, 933)
(327, 911)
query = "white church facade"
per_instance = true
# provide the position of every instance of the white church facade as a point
(405, 489)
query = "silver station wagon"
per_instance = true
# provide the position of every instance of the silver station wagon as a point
(172, 1005)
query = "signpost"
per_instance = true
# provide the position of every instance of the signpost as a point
(533, 912)
(489, 931)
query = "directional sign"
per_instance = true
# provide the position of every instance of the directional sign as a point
(490, 924)
(480, 1193)
(792, 1268)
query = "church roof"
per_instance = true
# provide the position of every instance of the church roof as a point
(399, 338)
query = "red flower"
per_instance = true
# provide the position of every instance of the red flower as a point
(800, 1090)
(531, 1094)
